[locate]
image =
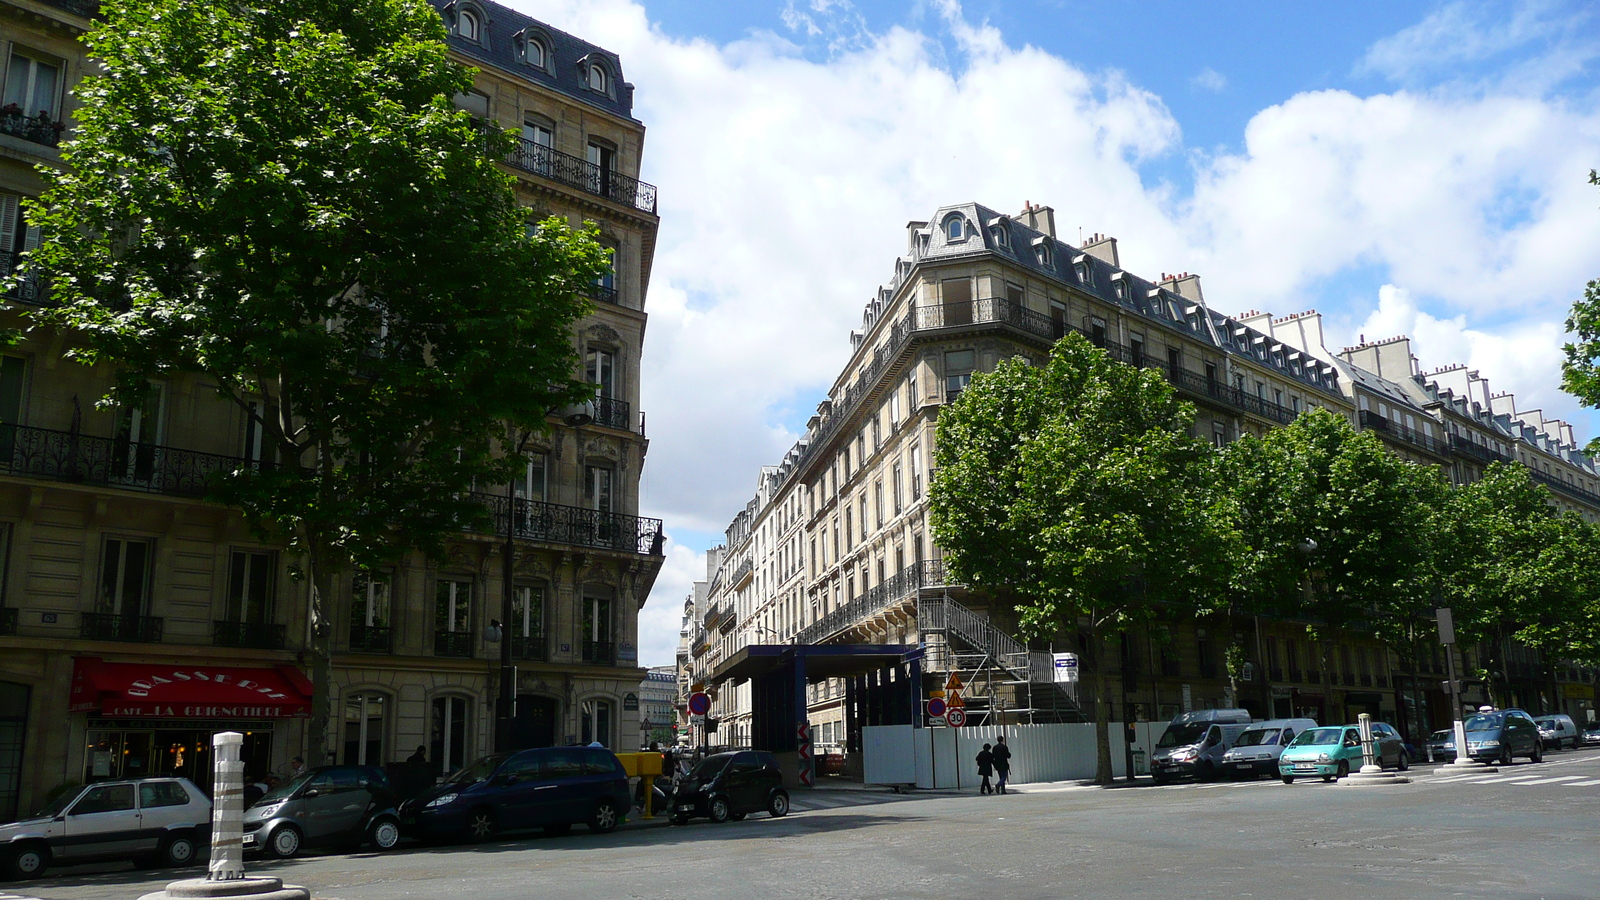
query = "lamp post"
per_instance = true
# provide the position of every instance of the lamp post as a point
(505, 702)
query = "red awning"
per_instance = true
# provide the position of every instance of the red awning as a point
(128, 690)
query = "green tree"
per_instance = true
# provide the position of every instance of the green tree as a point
(1074, 493)
(281, 199)
(1580, 371)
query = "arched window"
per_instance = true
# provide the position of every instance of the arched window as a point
(597, 78)
(365, 721)
(598, 722)
(468, 25)
(533, 53)
(953, 229)
(1002, 237)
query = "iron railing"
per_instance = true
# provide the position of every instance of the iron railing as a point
(39, 129)
(1384, 425)
(575, 171)
(371, 638)
(603, 652)
(29, 288)
(112, 627)
(110, 462)
(578, 526)
(532, 647)
(602, 294)
(1464, 447)
(8, 620)
(740, 573)
(906, 582)
(456, 644)
(612, 413)
(1571, 490)
(252, 635)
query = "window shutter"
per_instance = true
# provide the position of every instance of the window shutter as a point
(9, 211)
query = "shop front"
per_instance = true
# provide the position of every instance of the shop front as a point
(149, 719)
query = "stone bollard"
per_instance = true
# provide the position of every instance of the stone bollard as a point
(226, 878)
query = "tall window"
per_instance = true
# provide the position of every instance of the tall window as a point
(13, 381)
(602, 371)
(364, 715)
(849, 527)
(448, 734)
(527, 619)
(608, 278)
(602, 161)
(468, 26)
(125, 577)
(597, 78)
(533, 483)
(877, 502)
(597, 629)
(953, 229)
(863, 519)
(597, 488)
(915, 458)
(533, 53)
(369, 612)
(138, 430)
(32, 84)
(956, 295)
(257, 448)
(251, 578)
(958, 365)
(895, 486)
(597, 721)
(452, 605)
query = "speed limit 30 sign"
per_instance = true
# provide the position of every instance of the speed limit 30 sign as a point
(956, 717)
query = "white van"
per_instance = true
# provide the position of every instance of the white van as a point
(1256, 750)
(1194, 743)
(1558, 730)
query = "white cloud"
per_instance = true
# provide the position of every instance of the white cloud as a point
(786, 183)
(1459, 34)
(1209, 79)
(662, 614)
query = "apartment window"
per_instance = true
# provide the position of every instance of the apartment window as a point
(597, 488)
(533, 484)
(863, 515)
(1174, 359)
(138, 427)
(601, 371)
(596, 725)
(1015, 294)
(598, 79)
(1219, 435)
(452, 606)
(534, 53)
(1261, 390)
(915, 458)
(125, 577)
(448, 734)
(877, 501)
(955, 295)
(911, 391)
(597, 629)
(895, 488)
(13, 382)
(954, 230)
(257, 449)
(1119, 286)
(894, 407)
(1136, 348)
(1082, 268)
(1041, 251)
(364, 715)
(527, 615)
(369, 611)
(602, 162)
(1002, 237)
(1294, 405)
(849, 526)
(251, 578)
(958, 366)
(836, 537)
(32, 84)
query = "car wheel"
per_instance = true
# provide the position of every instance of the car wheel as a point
(1505, 757)
(384, 833)
(1404, 763)
(179, 850)
(481, 825)
(1288, 779)
(27, 861)
(605, 818)
(718, 810)
(1537, 755)
(778, 804)
(1343, 770)
(284, 841)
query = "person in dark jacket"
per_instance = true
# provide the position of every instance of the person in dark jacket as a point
(985, 769)
(1002, 763)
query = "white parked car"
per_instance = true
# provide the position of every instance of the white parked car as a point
(152, 821)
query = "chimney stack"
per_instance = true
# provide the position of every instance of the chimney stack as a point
(1104, 248)
(1039, 218)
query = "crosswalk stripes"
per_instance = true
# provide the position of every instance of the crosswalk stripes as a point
(5, 896)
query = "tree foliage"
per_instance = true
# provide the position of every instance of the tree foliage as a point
(1580, 371)
(282, 199)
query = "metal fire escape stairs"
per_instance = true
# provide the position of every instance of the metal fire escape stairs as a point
(1000, 676)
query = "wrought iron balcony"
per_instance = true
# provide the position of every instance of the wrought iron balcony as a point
(602, 294)
(456, 644)
(1401, 433)
(8, 620)
(531, 647)
(578, 526)
(39, 129)
(110, 462)
(371, 639)
(112, 627)
(905, 583)
(30, 289)
(1464, 447)
(1571, 490)
(253, 635)
(612, 413)
(601, 652)
(578, 172)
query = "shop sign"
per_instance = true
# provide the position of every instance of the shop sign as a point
(630, 703)
(1578, 691)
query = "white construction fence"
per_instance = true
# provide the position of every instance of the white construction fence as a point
(943, 757)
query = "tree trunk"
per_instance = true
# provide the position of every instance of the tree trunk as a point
(1102, 710)
(319, 609)
(1327, 678)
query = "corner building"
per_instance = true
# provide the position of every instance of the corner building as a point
(138, 618)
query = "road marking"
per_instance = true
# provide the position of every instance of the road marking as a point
(1554, 780)
(1585, 783)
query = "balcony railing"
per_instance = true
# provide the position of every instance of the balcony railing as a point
(553, 523)
(1464, 447)
(30, 289)
(531, 647)
(456, 644)
(40, 129)
(253, 635)
(1571, 490)
(8, 620)
(111, 627)
(601, 652)
(1372, 420)
(371, 639)
(110, 462)
(906, 582)
(612, 413)
(577, 172)
(602, 294)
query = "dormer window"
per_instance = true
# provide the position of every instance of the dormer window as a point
(469, 26)
(955, 229)
(1082, 268)
(1041, 251)
(1002, 238)
(598, 78)
(535, 54)
(1119, 285)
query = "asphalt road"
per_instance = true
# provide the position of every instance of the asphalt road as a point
(1531, 831)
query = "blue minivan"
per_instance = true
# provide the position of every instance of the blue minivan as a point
(552, 788)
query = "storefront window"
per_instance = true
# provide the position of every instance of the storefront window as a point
(363, 729)
(179, 749)
(597, 721)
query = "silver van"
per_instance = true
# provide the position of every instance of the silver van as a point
(152, 821)
(1194, 743)
(1557, 730)
(1256, 750)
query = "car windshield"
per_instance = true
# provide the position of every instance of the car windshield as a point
(711, 766)
(1439, 736)
(1548, 724)
(1317, 737)
(59, 805)
(1485, 723)
(478, 771)
(1182, 735)
(285, 790)
(1257, 737)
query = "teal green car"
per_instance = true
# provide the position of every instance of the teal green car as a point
(1332, 753)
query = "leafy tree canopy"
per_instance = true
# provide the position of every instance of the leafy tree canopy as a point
(1580, 371)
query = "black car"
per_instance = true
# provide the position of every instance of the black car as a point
(343, 806)
(552, 788)
(731, 786)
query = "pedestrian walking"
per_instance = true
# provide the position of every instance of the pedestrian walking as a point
(1002, 763)
(985, 769)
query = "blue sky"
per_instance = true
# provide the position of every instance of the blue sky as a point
(1413, 168)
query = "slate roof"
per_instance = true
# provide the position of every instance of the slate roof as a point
(503, 30)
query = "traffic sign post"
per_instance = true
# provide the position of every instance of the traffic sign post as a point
(936, 708)
(699, 703)
(956, 717)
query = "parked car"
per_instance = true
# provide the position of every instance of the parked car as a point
(1442, 745)
(1557, 729)
(1194, 743)
(731, 786)
(1255, 752)
(339, 805)
(1591, 734)
(152, 821)
(551, 788)
(1500, 736)
(1331, 753)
